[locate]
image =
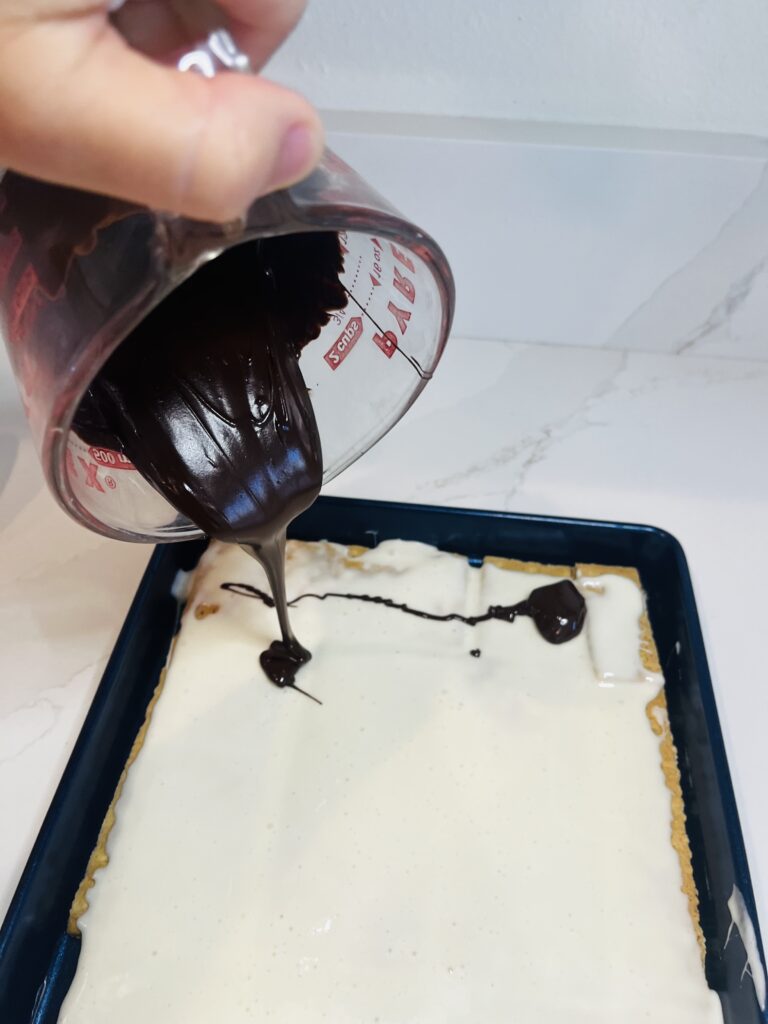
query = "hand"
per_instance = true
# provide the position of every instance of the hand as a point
(84, 101)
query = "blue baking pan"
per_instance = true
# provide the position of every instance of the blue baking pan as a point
(38, 959)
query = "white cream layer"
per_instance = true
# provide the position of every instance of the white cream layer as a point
(614, 608)
(447, 839)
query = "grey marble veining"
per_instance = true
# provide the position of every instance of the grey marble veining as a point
(716, 303)
(639, 249)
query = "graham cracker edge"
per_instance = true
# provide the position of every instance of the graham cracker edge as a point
(99, 857)
(658, 718)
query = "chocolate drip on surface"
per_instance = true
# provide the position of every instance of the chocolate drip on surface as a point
(557, 609)
(207, 399)
(283, 658)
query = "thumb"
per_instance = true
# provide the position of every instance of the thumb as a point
(114, 121)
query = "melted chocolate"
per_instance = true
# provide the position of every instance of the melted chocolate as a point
(284, 657)
(281, 661)
(56, 224)
(557, 609)
(207, 400)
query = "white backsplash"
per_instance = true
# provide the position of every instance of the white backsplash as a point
(639, 249)
(694, 65)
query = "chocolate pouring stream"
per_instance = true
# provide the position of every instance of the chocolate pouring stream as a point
(206, 398)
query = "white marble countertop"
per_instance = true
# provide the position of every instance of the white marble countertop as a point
(604, 431)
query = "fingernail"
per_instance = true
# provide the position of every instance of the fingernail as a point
(295, 157)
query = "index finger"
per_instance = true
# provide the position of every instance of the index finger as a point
(260, 26)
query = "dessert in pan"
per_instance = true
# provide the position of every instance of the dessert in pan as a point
(477, 817)
(462, 804)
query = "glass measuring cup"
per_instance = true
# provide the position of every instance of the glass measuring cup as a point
(79, 272)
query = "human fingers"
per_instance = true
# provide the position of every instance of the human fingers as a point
(84, 108)
(160, 27)
(261, 26)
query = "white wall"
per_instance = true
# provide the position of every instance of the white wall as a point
(674, 64)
